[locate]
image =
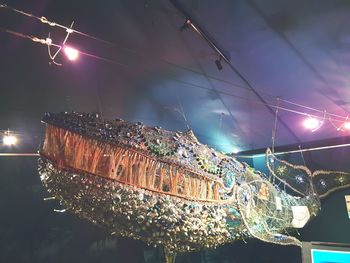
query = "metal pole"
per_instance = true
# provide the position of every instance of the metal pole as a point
(19, 155)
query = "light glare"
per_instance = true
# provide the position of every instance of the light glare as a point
(71, 53)
(312, 124)
(9, 140)
(235, 150)
(346, 125)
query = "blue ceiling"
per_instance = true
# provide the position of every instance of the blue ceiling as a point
(296, 50)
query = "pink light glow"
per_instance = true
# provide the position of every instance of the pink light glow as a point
(71, 53)
(312, 124)
(346, 125)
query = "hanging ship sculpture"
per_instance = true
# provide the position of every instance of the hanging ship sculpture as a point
(167, 189)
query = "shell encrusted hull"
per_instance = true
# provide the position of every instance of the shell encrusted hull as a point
(157, 219)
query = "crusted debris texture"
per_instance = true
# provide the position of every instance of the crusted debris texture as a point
(157, 219)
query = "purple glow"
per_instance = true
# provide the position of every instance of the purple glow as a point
(71, 53)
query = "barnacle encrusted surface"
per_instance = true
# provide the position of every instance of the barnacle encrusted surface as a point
(157, 219)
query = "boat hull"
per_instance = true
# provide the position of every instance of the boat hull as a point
(177, 224)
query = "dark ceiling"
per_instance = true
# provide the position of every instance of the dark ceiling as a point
(296, 50)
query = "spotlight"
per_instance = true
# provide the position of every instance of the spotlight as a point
(218, 63)
(9, 139)
(312, 123)
(185, 25)
(346, 126)
(71, 53)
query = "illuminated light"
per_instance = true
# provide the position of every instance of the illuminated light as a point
(9, 140)
(323, 183)
(299, 179)
(346, 126)
(312, 124)
(71, 53)
(281, 170)
(235, 150)
(341, 179)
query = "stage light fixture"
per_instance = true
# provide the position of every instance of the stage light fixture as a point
(71, 53)
(218, 63)
(185, 25)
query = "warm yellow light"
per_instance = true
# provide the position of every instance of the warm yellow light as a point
(9, 140)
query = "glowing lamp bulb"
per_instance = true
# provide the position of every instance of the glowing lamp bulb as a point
(71, 53)
(312, 124)
(9, 140)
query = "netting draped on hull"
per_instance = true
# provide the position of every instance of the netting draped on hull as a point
(126, 165)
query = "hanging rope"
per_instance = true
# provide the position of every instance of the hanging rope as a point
(275, 126)
(44, 20)
(69, 31)
(298, 151)
(183, 114)
(314, 109)
(49, 43)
